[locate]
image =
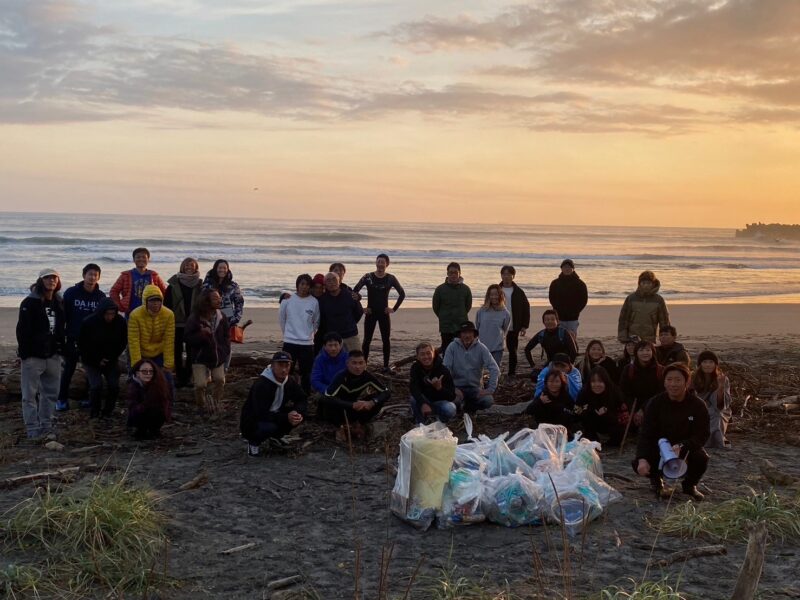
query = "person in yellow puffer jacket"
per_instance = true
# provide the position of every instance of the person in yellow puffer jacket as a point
(151, 330)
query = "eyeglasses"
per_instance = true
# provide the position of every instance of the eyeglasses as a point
(146, 371)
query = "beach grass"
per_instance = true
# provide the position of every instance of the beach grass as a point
(106, 535)
(646, 590)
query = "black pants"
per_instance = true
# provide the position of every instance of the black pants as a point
(302, 362)
(183, 367)
(593, 424)
(696, 465)
(446, 339)
(71, 356)
(553, 413)
(385, 323)
(147, 423)
(330, 410)
(512, 343)
(265, 430)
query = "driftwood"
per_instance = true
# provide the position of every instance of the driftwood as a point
(236, 549)
(404, 361)
(199, 481)
(785, 404)
(684, 555)
(86, 449)
(750, 573)
(64, 473)
(776, 476)
(190, 452)
(284, 582)
(627, 427)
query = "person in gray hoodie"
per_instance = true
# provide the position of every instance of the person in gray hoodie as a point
(275, 405)
(466, 358)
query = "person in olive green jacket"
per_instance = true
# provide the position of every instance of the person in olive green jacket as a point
(183, 291)
(452, 302)
(644, 311)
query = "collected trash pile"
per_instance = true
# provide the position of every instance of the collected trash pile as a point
(533, 476)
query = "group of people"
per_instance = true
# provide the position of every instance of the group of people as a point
(179, 333)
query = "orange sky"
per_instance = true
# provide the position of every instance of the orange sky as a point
(668, 113)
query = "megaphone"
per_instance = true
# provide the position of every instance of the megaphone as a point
(671, 465)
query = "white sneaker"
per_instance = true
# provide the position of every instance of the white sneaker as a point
(253, 450)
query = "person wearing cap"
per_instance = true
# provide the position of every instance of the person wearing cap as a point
(467, 358)
(452, 301)
(517, 303)
(340, 312)
(40, 344)
(330, 361)
(353, 398)
(299, 320)
(554, 339)
(678, 415)
(713, 387)
(275, 405)
(431, 386)
(129, 286)
(643, 311)
(568, 295)
(561, 363)
(669, 350)
(151, 331)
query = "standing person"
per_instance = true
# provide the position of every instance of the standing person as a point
(517, 302)
(669, 350)
(431, 385)
(80, 301)
(643, 311)
(553, 404)
(149, 400)
(299, 320)
(679, 416)
(340, 312)
(101, 341)
(208, 339)
(317, 289)
(339, 269)
(452, 301)
(554, 339)
(568, 295)
(641, 380)
(129, 286)
(40, 342)
(713, 387)
(220, 278)
(493, 321)
(595, 356)
(597, 407)
(183, 290)
(379, 283)
(275, 405)
(466, 358)
(151, 332)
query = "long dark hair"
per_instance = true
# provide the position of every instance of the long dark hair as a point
(587, 365)
(204, 307)
(639, 346)
(38, 287)
(213, 278)
(703, 382)
(156, 391)
(603, 376)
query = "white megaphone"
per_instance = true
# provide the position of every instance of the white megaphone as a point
(671, 465)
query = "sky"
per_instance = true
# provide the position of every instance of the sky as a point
(608, 112)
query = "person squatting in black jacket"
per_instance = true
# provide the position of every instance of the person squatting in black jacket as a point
(102, 339)
(517, 303)
(554, 339)
(679, 416)
(40, 344)
(353, 398)
(431, 386)
(275, 405)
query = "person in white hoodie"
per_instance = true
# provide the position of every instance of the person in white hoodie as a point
(299, 320)
(466, 358)
(275, 405)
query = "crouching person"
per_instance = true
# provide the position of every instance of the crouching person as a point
(102, 339)
(276, 404)
(466, 358)
(207, 335)
(149, 400)
(678, 415)
(353, 398)
(432, 389)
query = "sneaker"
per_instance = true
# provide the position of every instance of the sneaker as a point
(62, 405)
(253, 450)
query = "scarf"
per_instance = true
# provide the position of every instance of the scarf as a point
(189, 279)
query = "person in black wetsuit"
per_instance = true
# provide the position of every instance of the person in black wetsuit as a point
(379, 283)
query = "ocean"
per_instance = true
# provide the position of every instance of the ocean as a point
(694, 265)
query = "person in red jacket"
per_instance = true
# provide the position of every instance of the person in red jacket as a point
(127, 289)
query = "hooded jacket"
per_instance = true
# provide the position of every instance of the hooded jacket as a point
(271, 401)
(209, 343)
(98, 340)
(122, 289)
(232, 299)
(520, 308)
(574, 382)
(78, 305)
(685, 423)
(642, 314)
(674, 353)
(35, 337)
(176, 298)
(326, 367)
(421, 389)
(451, 304)
(152, 335)
(568, 295)
(466, 365)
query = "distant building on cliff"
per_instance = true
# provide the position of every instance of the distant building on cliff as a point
(772, 231)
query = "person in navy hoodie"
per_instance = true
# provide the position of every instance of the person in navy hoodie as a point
(340, 312)
(102, 340)
(330, 361)
(80, 302)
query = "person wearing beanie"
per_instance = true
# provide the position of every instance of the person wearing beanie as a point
(568, 295)
(40, 345)
(643, 311)
(714, 388)
(330, 361)
(151, 331)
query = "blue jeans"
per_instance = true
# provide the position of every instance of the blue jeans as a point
(95, 376)
(571, 326)
(443, 409)
(497, 355)
(472, 402)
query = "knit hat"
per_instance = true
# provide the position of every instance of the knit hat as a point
(319, 278)
(708, 355)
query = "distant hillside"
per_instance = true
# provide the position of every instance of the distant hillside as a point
(777, 231)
